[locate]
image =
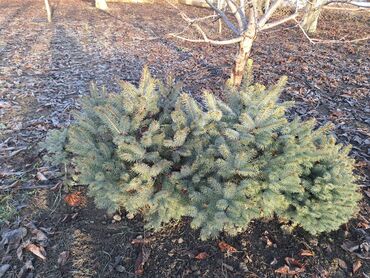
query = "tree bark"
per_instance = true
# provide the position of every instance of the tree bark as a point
(241, 59)
(311, 17)
(267, 5)
(48, 10)
(101, 4)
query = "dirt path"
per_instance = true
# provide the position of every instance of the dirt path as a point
(45, 68)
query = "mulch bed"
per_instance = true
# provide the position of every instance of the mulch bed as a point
(45, 68)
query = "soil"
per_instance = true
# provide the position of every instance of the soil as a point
(45, 68)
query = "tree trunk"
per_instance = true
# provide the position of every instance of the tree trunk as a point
(267, 5)
(48, 10)
(101, 4)
(311, 18)
(241, 59)
(220, 6)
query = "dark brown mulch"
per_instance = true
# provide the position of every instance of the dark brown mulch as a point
(45, 68)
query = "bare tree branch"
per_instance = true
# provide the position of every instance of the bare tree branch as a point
(341, 41)
(269, 13)
(225, 18)
(304, 32)
(239, 14)
(315, 41)
(48, 10)
(207, 40)
(279, 22)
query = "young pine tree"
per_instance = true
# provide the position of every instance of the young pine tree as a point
(154, 150)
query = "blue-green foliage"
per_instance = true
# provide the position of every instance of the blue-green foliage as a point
(154, 150)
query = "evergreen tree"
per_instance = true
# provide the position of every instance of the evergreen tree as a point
(154, 150)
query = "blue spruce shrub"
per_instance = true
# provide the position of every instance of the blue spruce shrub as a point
(154, 150)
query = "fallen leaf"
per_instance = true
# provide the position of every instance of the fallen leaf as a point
(202, 256)
(363, 225)
(293, 262)
(141, 260)
(39, 251)
(283, 270)
(63, 258)
(268, 241)
(356, 266)
(40, 176)
(38, 235)
(293, 267)
(225, 247)
(306, 253)
(350, 246)
(13, 238)
(117, 217)
(341, 263)
(4, 268)
(75, 199)
(288, 271)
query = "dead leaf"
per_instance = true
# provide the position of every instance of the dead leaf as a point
(20, 249)
(75, 199)
(356, 266)
(341, 263)
(117, 217)
(225, 247)
(38, 235)
(40, 176)
(293, 262)
(293, 267)
(39, 251)
(268, 241)
(283, 270)
(307, 253)
(141, 260)
(363, 225)
(288, 271)
(63, 258)
(13, 238)
(350, 246)
(4, 268)
(202, 256)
